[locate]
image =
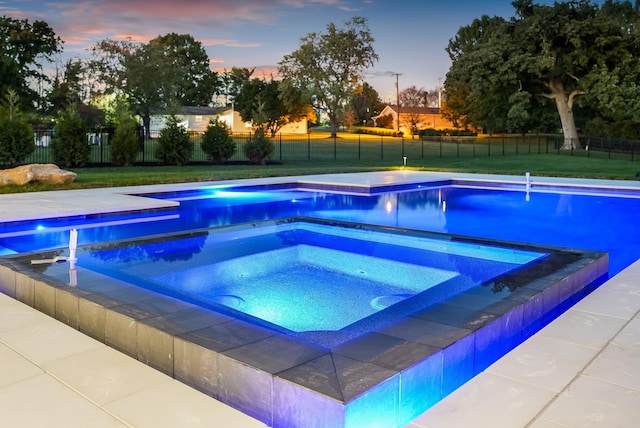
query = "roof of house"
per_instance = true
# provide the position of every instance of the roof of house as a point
(414, 110)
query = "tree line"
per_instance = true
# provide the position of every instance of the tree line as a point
(571, 65)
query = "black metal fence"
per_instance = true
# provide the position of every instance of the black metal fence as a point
(319, 146)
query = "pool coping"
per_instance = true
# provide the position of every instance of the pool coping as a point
(123, 324)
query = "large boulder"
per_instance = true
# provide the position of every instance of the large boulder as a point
(39, 173)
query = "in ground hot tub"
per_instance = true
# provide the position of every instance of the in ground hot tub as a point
(300, 320)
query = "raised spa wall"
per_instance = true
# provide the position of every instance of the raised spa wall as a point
(396, 373)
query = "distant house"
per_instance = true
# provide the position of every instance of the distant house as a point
(420, 117)
(196, 119)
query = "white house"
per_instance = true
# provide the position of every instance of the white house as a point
(196, 119)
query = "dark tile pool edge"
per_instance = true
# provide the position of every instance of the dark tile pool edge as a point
(152, 329)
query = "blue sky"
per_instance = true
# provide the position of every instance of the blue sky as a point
(411, 36)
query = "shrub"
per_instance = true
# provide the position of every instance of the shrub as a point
(217, 143)
(16, 136)
(174, 145)
(430, 132)
(124, 144)
(460, 133)
(259, 149)
(383, 132)
(69, 143)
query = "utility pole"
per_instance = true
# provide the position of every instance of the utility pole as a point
(397, 100)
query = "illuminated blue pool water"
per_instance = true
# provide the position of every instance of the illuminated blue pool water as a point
(305, 276)
(408, 340)
(597, 220)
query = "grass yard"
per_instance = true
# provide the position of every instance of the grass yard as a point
(558, 165)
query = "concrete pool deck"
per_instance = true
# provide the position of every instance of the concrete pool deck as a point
(581, 370)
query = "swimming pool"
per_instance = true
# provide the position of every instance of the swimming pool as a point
(382, 369)
(389, 382)
(545, 215)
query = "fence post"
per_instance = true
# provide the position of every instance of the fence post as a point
(281, 147)
(422, 147)
(381, 147)
(358, 146)
(308, 146)
(335, 147)
(101, 150)
(403, 146)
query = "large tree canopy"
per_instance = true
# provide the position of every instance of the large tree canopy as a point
(167, 72)
(365, 103)
(189, 58)
(502, 70)
(259, 101)
(328, 67)
(24, 46)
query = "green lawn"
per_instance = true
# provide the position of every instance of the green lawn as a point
(584, 165)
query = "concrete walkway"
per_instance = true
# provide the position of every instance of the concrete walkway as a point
(581, 370)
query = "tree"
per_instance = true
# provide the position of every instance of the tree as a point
(232, 82)
(217, 143)
(178, 64)
(260, 101)
(614, 88)
(124, 67)
(24, 47)
(557, 52)
(124, 144)
(69, 143)
(412, 97)
(479, 81)
(174, 145)
(259, 148)
(16, 136)
(365, 103)
(196, 82)
(328, 67)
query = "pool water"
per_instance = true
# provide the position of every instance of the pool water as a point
(447, 277)
(305, 276)
(595, 220)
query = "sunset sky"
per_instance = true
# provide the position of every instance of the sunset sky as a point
(410, 36)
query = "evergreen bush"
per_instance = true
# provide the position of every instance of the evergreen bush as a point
(124, 144)
(69, 143)
(16, 136)
(259, 149)
(217, 143)
(174, 145)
